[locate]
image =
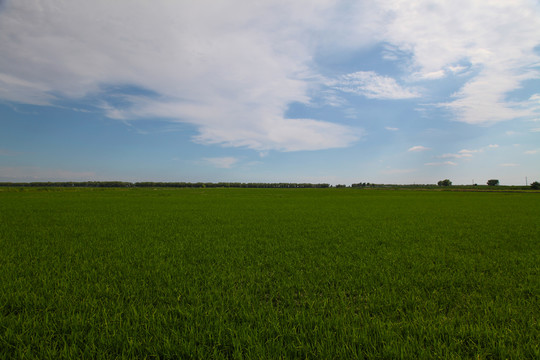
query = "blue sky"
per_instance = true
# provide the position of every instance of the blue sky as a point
(270, 91)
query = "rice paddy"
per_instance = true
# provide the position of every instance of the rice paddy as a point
(268, 273)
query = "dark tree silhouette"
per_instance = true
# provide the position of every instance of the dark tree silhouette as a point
(444, 182)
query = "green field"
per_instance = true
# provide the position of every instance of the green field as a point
(268, 273)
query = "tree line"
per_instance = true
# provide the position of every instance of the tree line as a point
(491, 182)
(146, 184)
(124, 184)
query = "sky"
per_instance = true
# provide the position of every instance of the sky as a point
(339, 92)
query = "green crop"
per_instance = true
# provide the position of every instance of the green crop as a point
(268, 273)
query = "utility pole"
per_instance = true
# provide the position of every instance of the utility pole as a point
(526, 182)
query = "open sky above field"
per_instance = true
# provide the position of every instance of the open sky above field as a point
(270, 91)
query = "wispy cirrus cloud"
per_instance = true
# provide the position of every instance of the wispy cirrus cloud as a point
(225, 162)
(418, 148)
(467, 153)
(441, 163)
(373, 86)
(454, 156)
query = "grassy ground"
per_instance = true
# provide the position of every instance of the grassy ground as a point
(268, 273)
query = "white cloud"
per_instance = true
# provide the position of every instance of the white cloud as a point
(222, 162)
(497, 40)
(389, 128)
(17, 89)
(441, 163)
(418, 148)
(281, 134)
(482, 101)
(457, 69)
(509, 165)
(467, 151)
(232, 68)
(331, 98)
(455, 156)
(229, 68)
(373, 86)
(482, 149)
(535, 130)
(434, 75)
(531, 152)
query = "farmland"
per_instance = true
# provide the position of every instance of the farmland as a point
(268, 273)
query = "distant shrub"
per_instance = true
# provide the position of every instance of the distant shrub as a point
(444, 182)
(493, 182)
(535, 185)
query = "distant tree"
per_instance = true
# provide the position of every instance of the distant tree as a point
(444, 182)
(493, 182)
(535, 185)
